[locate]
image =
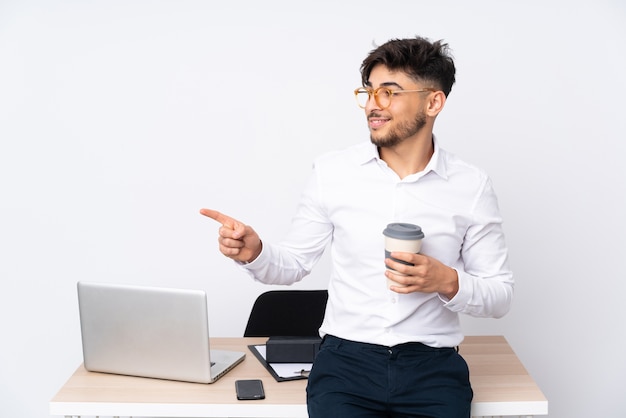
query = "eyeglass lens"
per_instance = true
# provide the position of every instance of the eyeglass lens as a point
(382, 96)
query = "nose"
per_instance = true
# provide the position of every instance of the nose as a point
(371, 104)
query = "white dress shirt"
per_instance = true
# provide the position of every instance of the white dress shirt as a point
(351, 197)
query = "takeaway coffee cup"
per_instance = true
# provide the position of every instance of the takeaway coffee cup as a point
(404, 237)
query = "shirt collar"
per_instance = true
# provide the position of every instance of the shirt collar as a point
(437, 162)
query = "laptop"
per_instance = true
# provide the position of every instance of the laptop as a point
(152, 332)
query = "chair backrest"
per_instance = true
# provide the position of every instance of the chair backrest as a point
(296, 313)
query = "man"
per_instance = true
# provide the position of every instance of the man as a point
(390, 351)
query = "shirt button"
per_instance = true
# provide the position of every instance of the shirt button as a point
(393, 300)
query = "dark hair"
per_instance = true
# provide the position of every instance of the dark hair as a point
(421, 59)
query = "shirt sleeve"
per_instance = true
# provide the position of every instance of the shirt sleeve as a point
(485, 279)
(293, 259)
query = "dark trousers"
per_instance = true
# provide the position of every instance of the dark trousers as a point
(351, 379)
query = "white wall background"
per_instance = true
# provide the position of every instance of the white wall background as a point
(120, 119)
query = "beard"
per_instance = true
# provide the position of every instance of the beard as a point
(398, 133)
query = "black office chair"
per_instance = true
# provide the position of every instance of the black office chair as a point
(297, 313)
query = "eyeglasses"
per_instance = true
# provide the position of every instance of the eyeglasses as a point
(382, 95)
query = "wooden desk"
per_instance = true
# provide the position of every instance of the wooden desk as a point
(502, 387)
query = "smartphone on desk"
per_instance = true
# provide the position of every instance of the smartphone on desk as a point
(250, 389)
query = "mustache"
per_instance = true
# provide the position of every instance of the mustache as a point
(374, 114)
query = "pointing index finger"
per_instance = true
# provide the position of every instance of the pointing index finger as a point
(219, 217)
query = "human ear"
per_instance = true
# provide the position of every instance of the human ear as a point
(436, 101)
